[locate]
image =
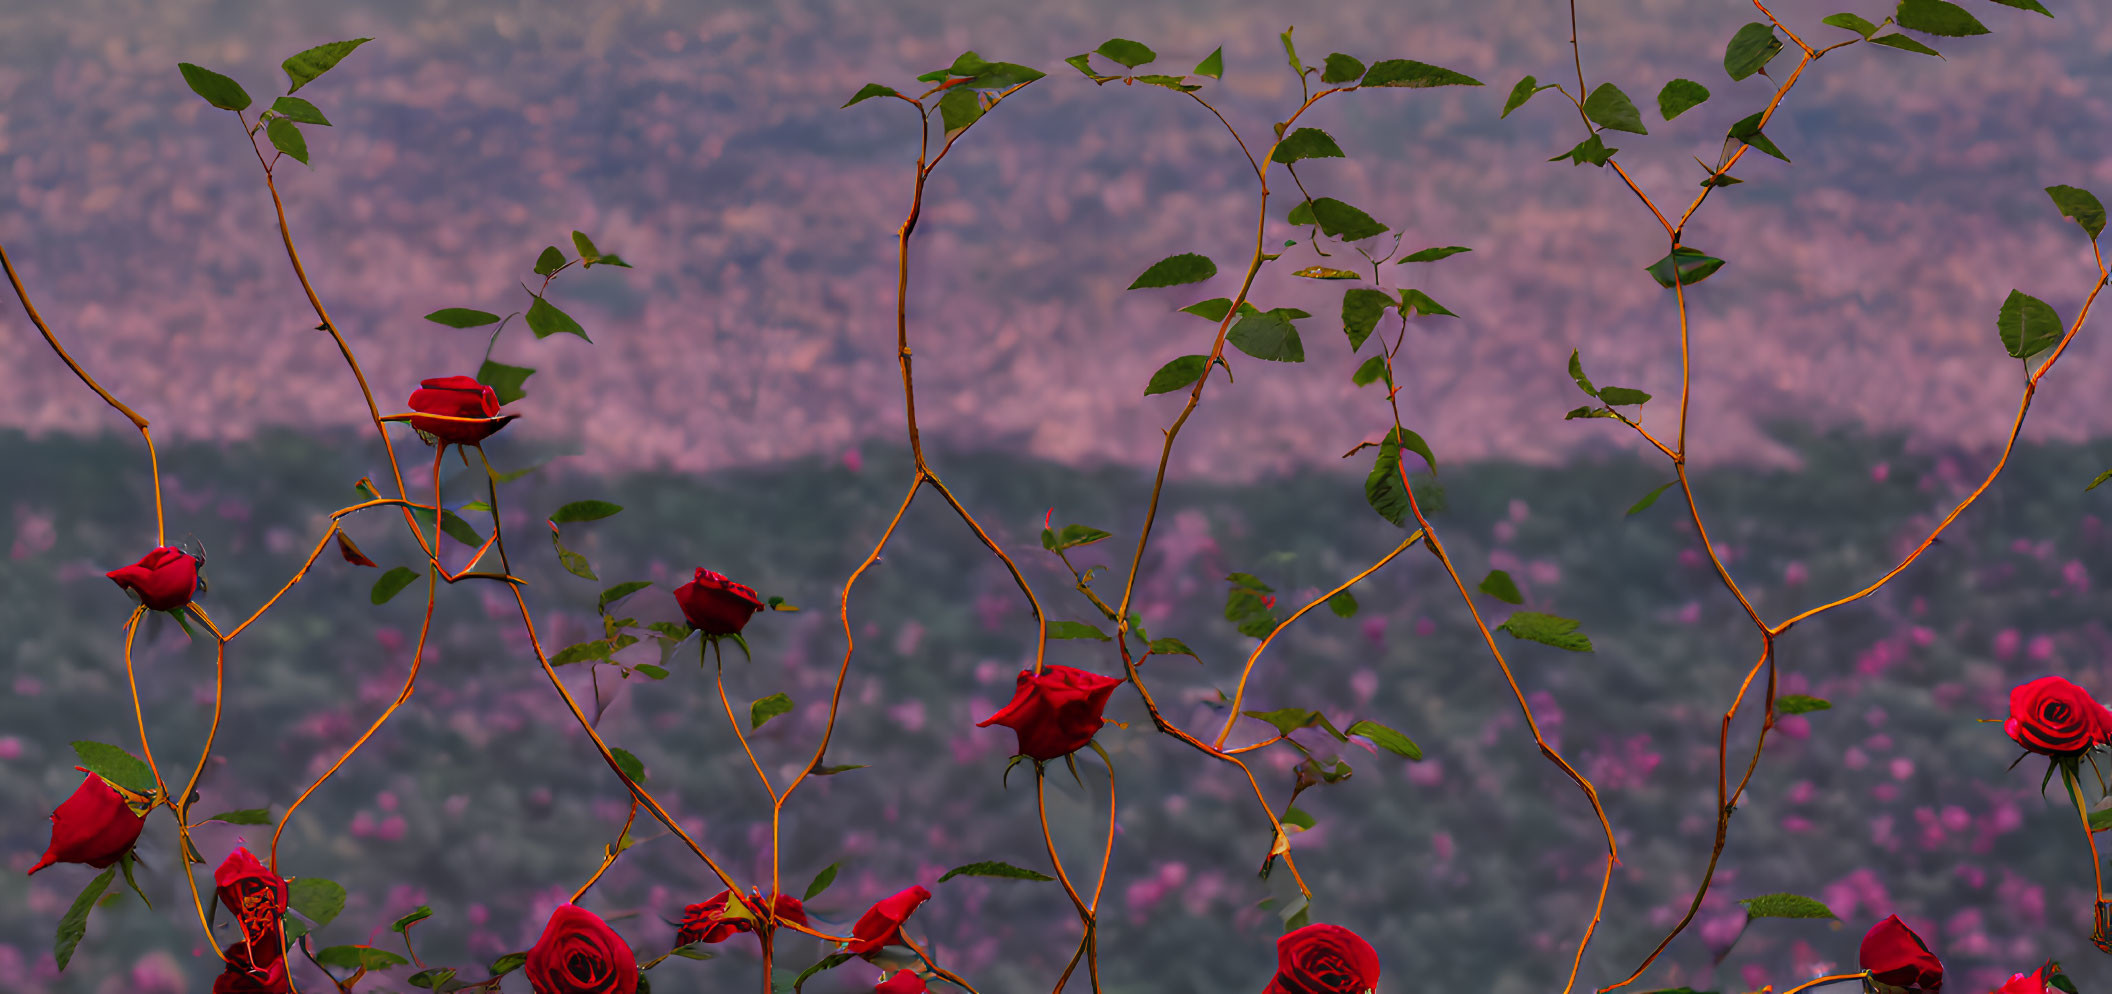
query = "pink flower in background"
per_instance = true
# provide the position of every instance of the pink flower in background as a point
(852, 460)
(1795, 573)
(1375, 629)
(2006, 642)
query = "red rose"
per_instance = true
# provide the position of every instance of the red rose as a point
(164, 579)
(256, 895)
(2029, 983)
(715, 605)
(881, 925)
(461, 397)
(1898, 959)
(1055, 713)
(903, 982)
(580, 954)
(94, 826)
(707, 922)
(2052, 716)
(253, 968)
(1324, 959)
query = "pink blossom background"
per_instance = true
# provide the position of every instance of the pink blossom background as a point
(703, 143)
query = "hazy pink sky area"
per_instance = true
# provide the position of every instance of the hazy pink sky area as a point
(704, 144)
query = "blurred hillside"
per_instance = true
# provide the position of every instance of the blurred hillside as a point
(1473, 869)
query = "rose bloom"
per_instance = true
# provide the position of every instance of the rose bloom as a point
(1057, 712)
(253, 968)
(715, 605)
(2051, 716)
(1324, 959)
(580, 954)
(94, 826)
(707, 921)
(881, 925)
(164, 579)
(2029, 983)
(460, 397)
(1898, 960)
(903, 982)
(256, 895)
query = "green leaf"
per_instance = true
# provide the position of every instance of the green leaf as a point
(299, 110)
(585, 510)
(2033, 5)
(302, 69)
(1547, 629)
(573, 562)
(993, 868)
(1522, 92)
(1382, 486)
(550, 261)
(1291, 51)
(1342, 220)
(1434, 254)
(546, 320)
(619, 592)
(1294, 816)
(462, 317)
(650, 670)
(1002, 75)
(1361, 309)
(829, 962)
(74, 924)
(1854, 23)
(596, 649)
(1174, 270)
(1326, 273)
(435, 979)
(391, 583)
(317, 899)
(1420, 303)
(217, 90)
(1498, 584)
(1213, 309)
(1937, 17)
(1622, 396)
(245, 816)
(1374, 368)
(505, 381)
(959, 108)
(1800, 703)
(1693, 265)
(368, 957)
(1341, 69)
(1267, 335)
(1904, 44)
(116, 765)
(1406, 72)
(629, 764)
(1076, 630)
(821, 881)
(1747, 130)
(1387, 739)
(1171, 647)
(1169, 82)
(2082, 206)
(1592, 150)
(2027, 325)
(1650, 498)
(2101, 477)
(1680, 96)
(1751, 48)
(1610, 108)
(868, 92)
(768, 708)
(1576, 372)
(1306, 143)
(1288, 720)
(1250, 582)
(418, 914)
(1073, 536)
(1344, 604)
(1212, 65)
(1083, 62)
(286, 137)
(1129, 53)
(1785, 906)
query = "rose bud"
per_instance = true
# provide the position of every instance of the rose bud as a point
(881, 925)
(2051, 716)
(716, 605)
(164, 579)
(461, 397)
(707, 921)
(1324, 959)
(254, 968)
(903, 982)
(1898, 960)
(94, 826)
(2034, 982)
(1055, 713)
(256, 895)
(580, 954)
